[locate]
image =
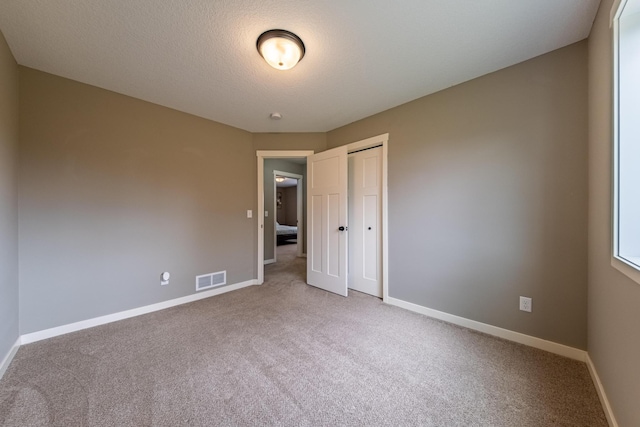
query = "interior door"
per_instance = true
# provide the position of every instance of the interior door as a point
(327, 220)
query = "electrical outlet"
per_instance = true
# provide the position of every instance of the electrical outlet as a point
(164, 278)
(525, 304)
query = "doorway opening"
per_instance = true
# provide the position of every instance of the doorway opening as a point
(288, 207)
(268, 162)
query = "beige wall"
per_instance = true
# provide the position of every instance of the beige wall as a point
(9, 292)
(290, 207)
(281, 213)
(288, 210)
(113, 191)
(488, 196)
(614, 300)
(316, 141)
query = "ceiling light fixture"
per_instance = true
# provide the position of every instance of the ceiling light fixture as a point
(280, 178)
(280, 48)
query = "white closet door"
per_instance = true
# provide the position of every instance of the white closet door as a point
(365, 220)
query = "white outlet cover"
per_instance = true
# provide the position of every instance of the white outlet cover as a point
(164, 278)
(525, 304)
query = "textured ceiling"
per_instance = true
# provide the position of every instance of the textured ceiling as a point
(362, 56)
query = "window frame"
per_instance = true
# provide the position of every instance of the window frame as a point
(623, 265)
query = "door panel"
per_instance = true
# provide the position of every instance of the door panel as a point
(333, 248)
(365, 215)
(327, 197)
(315, 228)
(370, 172)
(370, 241)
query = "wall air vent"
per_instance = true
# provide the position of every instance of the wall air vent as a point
(211, 280)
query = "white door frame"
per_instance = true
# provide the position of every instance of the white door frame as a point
(268, 154)
(299, 212)
(375, 141)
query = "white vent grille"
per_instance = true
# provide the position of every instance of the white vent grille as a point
(211, 280)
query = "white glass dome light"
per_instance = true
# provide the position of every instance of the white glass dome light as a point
(280, 48)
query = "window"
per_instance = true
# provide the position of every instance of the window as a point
(626, 240)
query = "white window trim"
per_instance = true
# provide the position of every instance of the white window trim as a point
(620, 264)
(616, 10)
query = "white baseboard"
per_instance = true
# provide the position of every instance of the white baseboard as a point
(96, 321)
(550, 346)
(269, 261)
(9, 357)
(606, 406)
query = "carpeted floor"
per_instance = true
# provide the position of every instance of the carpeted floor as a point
(285, 353)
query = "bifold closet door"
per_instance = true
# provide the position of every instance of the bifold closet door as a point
(365, 221)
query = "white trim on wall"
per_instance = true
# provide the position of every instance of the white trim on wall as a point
(616, 10)
(97, 321)
(385, 221)
(269, 261)
(550, 346)
(606, 406)
(9, 357)
(302, 224)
